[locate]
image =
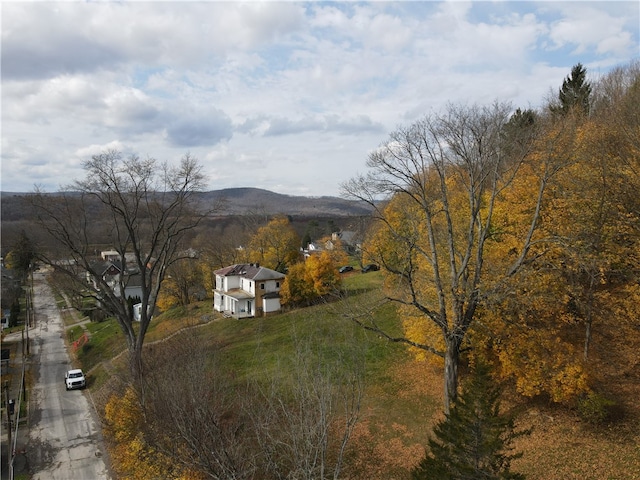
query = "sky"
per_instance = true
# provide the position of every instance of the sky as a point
(286, 96)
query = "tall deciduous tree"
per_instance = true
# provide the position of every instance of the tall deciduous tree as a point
(142, 209)
(275, 245)
(442, 178)
(22, 254)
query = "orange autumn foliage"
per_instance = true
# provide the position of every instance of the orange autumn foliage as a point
(132, 457)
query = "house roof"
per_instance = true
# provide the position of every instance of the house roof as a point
(102, 268)
(348, 237)
(252, 271)
(115, 266)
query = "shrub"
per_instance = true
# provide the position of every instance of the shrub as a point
(595, 408)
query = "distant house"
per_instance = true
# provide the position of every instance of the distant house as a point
(110, 255)
(111, 272)
(6, 313)
(247, 290)
(312, 249)
(349, 241)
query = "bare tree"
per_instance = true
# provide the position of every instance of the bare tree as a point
(446, 173)
(306, 415)
(140, 208)
(294, 422)
(184, 283)
(193, 409)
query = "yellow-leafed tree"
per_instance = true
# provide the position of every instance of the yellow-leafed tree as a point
(183, 284)
(275, 245)
(443, 178)
(312, 279)
(584, 276)
(297, 288)
(323, 271)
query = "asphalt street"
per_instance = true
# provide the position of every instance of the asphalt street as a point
(65, 441)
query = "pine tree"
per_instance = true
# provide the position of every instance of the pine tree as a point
(473, 442)
(575, 90)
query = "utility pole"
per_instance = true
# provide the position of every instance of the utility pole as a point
(29, 313)
(6, 403)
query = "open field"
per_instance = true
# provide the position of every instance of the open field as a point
(403, 397)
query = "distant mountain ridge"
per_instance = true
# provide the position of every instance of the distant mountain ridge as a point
(243, 200)
(248, 199)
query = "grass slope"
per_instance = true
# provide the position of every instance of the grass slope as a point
(403, 397)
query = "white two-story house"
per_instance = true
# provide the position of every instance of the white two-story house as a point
(247, 290)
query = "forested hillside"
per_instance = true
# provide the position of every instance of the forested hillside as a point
(237, 201)
(239, 207)
(515, 238)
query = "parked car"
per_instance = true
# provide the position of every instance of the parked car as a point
(74, 379)
(372, 267)
(346, 268)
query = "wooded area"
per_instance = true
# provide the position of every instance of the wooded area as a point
(510, 237)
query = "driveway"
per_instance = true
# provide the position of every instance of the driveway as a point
(65, 440)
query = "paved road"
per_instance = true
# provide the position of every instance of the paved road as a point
(64, 438)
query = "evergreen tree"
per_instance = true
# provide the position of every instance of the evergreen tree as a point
(473, 442)
(575, 91)
(14, 314)
(518, 131)
(306, 240)
(22, 255)
(521, 119)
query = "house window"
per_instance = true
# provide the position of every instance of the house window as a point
(277, 284)
(262, 286)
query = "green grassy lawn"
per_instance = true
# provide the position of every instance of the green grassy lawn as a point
(356, 280)
(258, 349)
(106, 341)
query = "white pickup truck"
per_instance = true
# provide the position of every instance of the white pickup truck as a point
(74, 379)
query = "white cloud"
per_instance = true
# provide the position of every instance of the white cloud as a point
(585, 27)
(95, 149)
(273, 94)
(130, 109)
